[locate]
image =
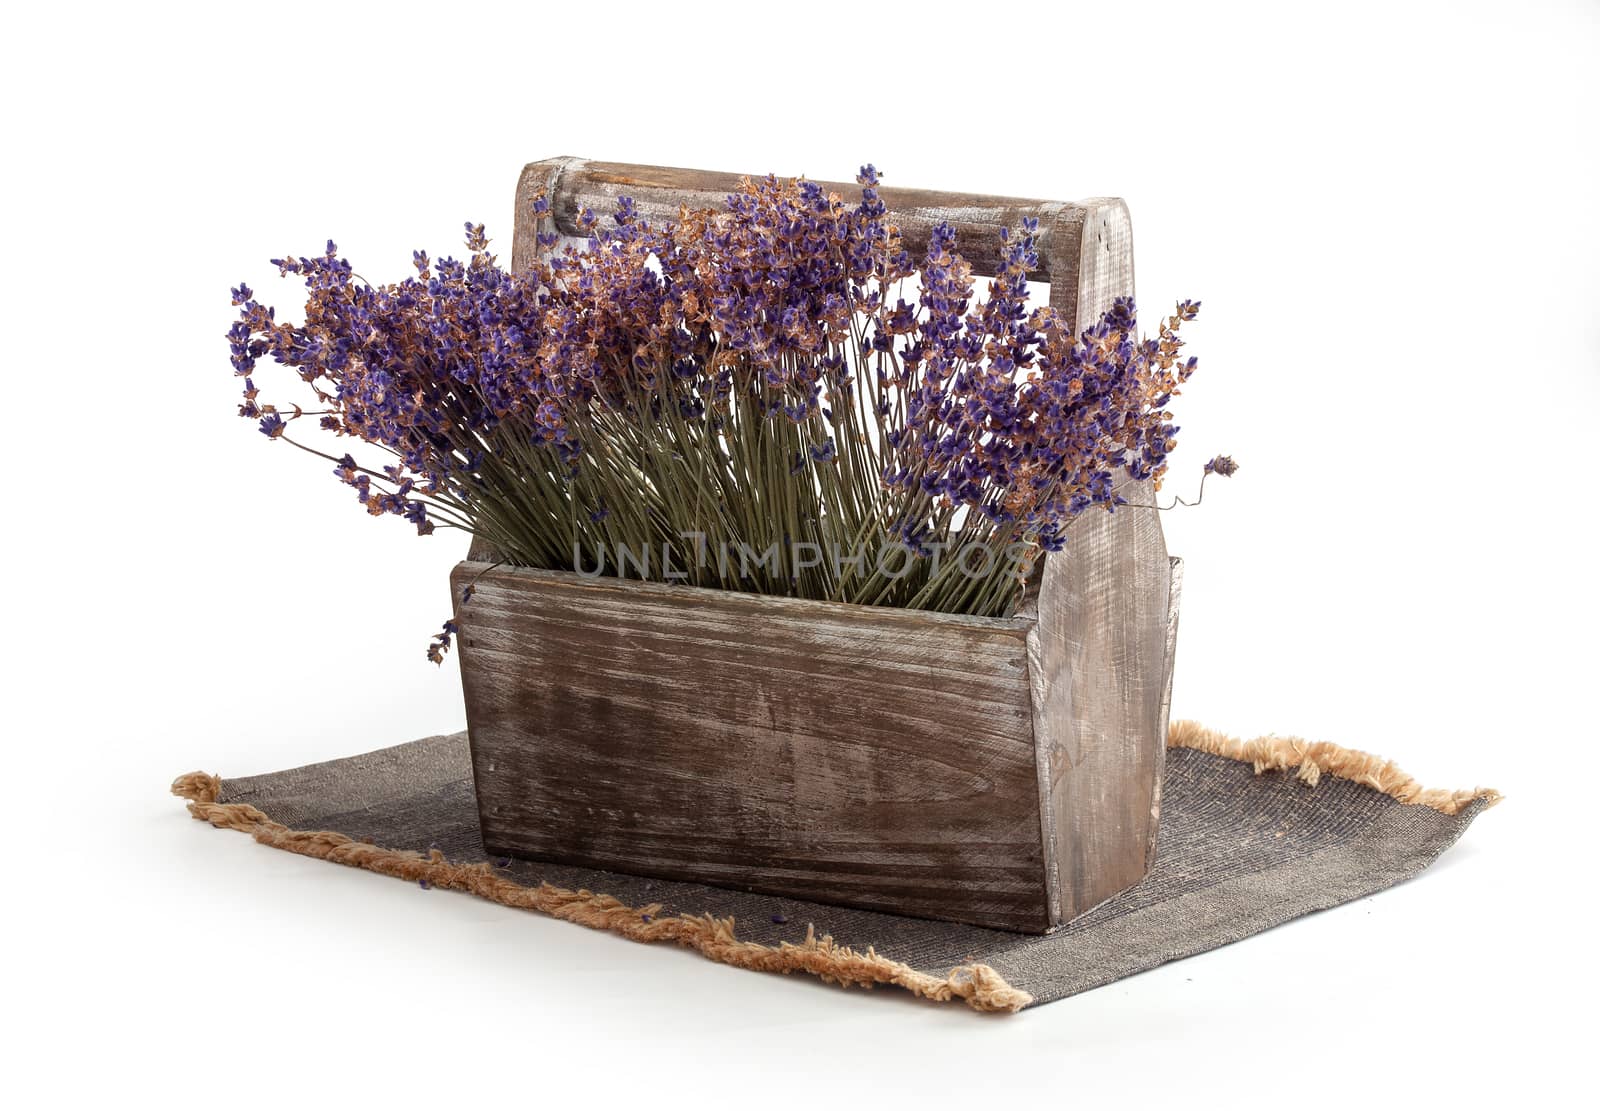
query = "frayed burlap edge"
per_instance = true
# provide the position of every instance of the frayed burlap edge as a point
(1314, 759)
(979, 985)
(982, 987)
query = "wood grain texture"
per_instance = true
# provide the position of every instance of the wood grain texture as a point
(873, 757)
(1097, 658)
(1085, 247)
(992, 771)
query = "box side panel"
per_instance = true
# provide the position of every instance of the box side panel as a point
(879, 763)
(1100, 687)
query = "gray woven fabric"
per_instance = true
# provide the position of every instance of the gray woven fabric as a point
(1239, 853)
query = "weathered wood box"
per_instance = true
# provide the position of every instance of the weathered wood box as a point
(1004, 772)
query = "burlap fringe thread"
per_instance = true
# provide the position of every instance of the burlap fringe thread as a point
(981, 986)
(1314, 759)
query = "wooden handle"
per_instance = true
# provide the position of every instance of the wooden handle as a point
(1085, 247)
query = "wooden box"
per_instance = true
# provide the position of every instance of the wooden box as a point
(999, 771)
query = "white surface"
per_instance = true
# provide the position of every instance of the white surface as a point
(1388, 212)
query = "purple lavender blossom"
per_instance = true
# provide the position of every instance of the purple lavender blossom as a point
(743, 372)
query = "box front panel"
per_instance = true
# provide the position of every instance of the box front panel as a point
(880, 760)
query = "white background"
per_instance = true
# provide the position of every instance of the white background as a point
(1388, 211)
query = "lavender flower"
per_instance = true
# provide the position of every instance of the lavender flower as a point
(777, 370)
(441, 643)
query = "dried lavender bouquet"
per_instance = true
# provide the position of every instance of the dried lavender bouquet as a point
(773, 397)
